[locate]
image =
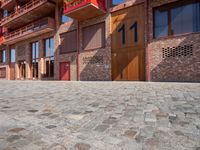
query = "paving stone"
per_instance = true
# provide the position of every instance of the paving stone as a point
(130, 133)
(51, 126)
(99, 115)
(16, 130)
(33, 111)
(82, 146)
(150, 117)
(102, 127)
(56, 147)
(13, 138)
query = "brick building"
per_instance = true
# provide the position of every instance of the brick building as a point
(152, 40)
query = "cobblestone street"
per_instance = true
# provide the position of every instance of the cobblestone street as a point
(44, 115)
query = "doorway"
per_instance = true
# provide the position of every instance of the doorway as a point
(22, 69)
(65, 71)
(128, 44)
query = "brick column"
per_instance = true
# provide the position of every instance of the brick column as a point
(57, 41)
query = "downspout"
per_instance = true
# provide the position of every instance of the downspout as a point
(78, 52)
(148, 48)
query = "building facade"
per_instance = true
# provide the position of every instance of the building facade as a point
(104, 40)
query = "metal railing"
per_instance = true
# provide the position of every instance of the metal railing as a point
(30, 28)
(22, 10)
(4, 2)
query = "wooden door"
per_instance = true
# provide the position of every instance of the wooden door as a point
(128, 44)
(65, 71)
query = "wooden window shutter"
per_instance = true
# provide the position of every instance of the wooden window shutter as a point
(68, 42)
(94, 36)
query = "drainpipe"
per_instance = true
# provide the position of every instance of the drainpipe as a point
(78, 52)
(148, 48)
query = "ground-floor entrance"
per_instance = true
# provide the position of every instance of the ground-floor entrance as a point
(22, 69)
(128, 44)
(65, 71)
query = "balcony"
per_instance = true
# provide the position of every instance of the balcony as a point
(8, 4)
(35, 29)
(29, 12)
(84, 9)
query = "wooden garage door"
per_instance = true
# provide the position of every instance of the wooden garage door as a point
(128, 44)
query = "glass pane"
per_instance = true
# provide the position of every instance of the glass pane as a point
(46, 47)
(47, 68)
(33, 50)
(12, 55)
(186, 19)
(66, 19)
(33, 69)
(182, 19)
(51, 47)
(51, 68)
(197, 16)
(4, 56)
(5, 13)
(37, 49)
(116, 2)
(160, 24)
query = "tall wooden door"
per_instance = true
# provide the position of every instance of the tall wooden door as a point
(65, 71)
(128, 44)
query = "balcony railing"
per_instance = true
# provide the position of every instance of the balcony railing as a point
(34, 29)
(24, 9)
(79, 7)
(5, 2)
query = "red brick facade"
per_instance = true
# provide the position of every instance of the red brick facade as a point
(96, 64)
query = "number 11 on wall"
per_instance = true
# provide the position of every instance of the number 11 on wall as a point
(133, 27)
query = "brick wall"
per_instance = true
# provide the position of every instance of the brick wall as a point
(183, 68)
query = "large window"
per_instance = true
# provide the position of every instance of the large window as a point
(3, 56)
(49, 57)
(94, 36)
(12, 55)
(35, 59)
(177, 19)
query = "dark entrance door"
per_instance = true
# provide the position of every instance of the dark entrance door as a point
(22, 69)
(65, 71)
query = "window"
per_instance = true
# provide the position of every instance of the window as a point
(35, 59)
(177, 19)
(160, 23)
(116, 2)
(65, 19)
(68, 42)
(5, 13)
(12, 55)
(94, 36)
(3, 56)
(49, 57)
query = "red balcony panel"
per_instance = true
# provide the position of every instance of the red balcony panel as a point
(1, 40)
(34, 29)
(84, 9)
(30, 12)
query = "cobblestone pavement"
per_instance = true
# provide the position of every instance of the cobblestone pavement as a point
(42, 115)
